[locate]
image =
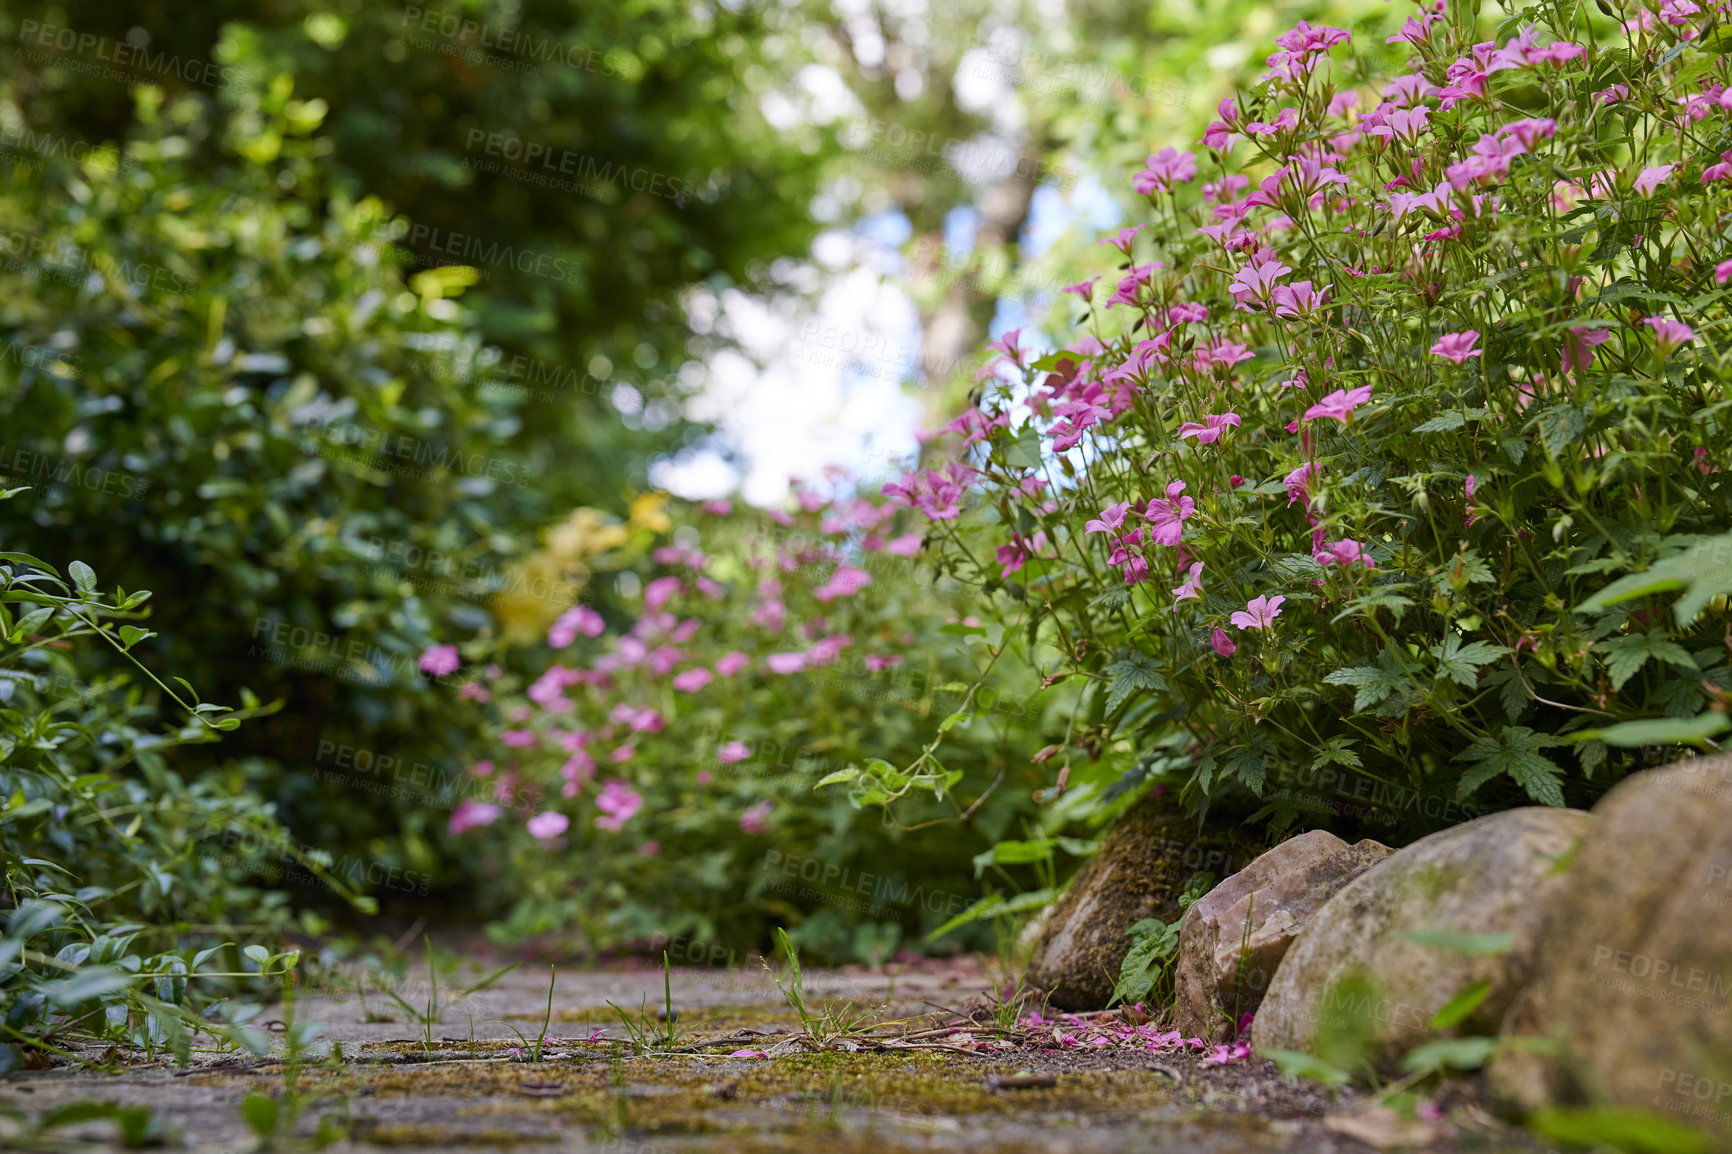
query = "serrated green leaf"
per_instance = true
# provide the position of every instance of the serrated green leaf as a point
(1513, 753)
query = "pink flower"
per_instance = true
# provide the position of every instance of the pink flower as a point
(1614, 94)
(581, 619)
(1579, 347)
(1221, 643)
(549, 825)
(1345, 552)
(650, 848)
(718, 508)
(647, 721)
(1169, 515)
(440, 660)
(1259, 613)
(657, 592)
(1339, 405)
(692, 680)
(1457, 347)
(1468, 487)
(1723, 272)
(733, 751)
(755, 819)
(786, 662)
(906, 545)
(878, 662)
(729, 664)
(1669, 334)
(750, 1054)
(1212, 428)
(1192, 589)
(845, 582)
(1134, 566)
(617, 802)
(1650, 179)
(1163, 170)
(623, 753)
(1702, 464)
(1234, 1052)
(1298, 299)
(1110, 519)
(517, 738)
(471, 814)
(1016, 554)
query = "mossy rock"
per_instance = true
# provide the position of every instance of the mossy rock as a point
(1140, 872)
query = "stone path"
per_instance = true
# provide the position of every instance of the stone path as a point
(385, 1083)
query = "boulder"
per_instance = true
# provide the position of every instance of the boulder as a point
(1140, 872)
(1234, 937)
(1633, 980)
(1354, 969)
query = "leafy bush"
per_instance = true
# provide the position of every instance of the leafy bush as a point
(219, 386)
(116, 869)
(657, 780)
(1327, 502)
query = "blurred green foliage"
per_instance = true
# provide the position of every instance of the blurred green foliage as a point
(294, 340)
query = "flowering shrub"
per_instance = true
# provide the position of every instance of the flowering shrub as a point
(658, 777)
(1396, 378)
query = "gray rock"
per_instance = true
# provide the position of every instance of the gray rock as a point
(1140, 872)
(1633, 980)
(1354, 968)
(1234, 937)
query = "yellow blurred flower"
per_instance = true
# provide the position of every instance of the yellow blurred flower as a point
(647, 512)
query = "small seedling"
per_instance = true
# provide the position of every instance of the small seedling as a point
(822, 1025)
(546, 1021)
(646, 1031)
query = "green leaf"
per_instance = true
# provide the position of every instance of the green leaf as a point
(1461, 942)
(1704, 572)
(1374, 682)
(1295, 1064)
(1024, 452)
(31, 622)
(1013, 853)
(1513, 753)
(1442, 423)
(131, 635)
(1461, 663)
(82, 575)
(1624, 656)
(260, 1113)
(1630, 1129)
(837, 777)
(87, 984)
(27, 559)
(1658, 731)
(1465, 1002)
(258, 954)
(1337, 750)
(1560, 425)
(950, 722)
(1450, 1053)
(1129, 675)
(996, 905)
